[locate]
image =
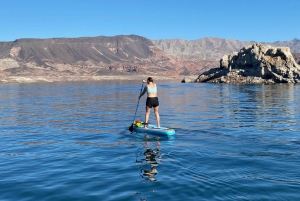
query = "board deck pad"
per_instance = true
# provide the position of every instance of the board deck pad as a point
(153, 129)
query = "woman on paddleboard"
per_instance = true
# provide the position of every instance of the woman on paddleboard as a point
(152, 101)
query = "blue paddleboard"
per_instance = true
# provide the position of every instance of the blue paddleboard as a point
(152, 129)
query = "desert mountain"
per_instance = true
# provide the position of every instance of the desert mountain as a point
(296, 57)
(294, 45)
(117, 55)
(92, 56)
(213, 48)
(204, 48)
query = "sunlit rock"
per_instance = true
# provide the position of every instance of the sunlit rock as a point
(256, 63)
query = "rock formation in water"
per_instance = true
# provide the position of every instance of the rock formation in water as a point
(256, 63)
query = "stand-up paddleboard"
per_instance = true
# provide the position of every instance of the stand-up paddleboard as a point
(152, 129)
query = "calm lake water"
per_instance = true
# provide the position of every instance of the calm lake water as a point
(70, 141)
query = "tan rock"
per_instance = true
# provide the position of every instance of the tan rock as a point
(14, 51)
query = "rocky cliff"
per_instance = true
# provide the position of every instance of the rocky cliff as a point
(256, 63)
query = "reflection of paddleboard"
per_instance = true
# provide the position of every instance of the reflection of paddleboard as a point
(152, 129)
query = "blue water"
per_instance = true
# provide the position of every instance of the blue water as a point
(69, 141)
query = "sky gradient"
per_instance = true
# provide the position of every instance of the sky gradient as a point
(255, 20)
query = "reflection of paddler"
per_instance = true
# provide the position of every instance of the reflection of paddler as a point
(151, 154)
(150, 158)
(151, 173)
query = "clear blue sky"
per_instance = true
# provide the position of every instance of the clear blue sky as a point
(253, 20)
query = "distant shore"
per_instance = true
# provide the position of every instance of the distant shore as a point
(39, 79)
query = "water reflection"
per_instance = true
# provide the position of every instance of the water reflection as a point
(149, 158)
(245, 135)
(260, 106)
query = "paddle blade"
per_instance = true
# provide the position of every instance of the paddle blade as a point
(130, 128)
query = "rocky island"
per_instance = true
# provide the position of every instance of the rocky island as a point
(255, 64)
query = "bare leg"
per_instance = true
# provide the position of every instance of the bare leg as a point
(157, 116)
(148, 110)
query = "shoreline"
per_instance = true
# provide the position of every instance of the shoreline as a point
(41, 79)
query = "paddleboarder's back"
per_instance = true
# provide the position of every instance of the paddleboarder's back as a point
(152, 100)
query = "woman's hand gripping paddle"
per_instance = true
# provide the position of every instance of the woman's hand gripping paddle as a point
(131, 127)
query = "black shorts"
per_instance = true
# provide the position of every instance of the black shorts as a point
(152, 102)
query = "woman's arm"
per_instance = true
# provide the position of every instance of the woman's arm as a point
(144, 91)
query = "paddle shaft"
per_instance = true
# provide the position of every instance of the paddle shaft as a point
(138, 103)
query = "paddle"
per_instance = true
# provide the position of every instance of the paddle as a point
(131, 127)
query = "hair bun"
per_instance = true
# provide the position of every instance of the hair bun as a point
(150, 79)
